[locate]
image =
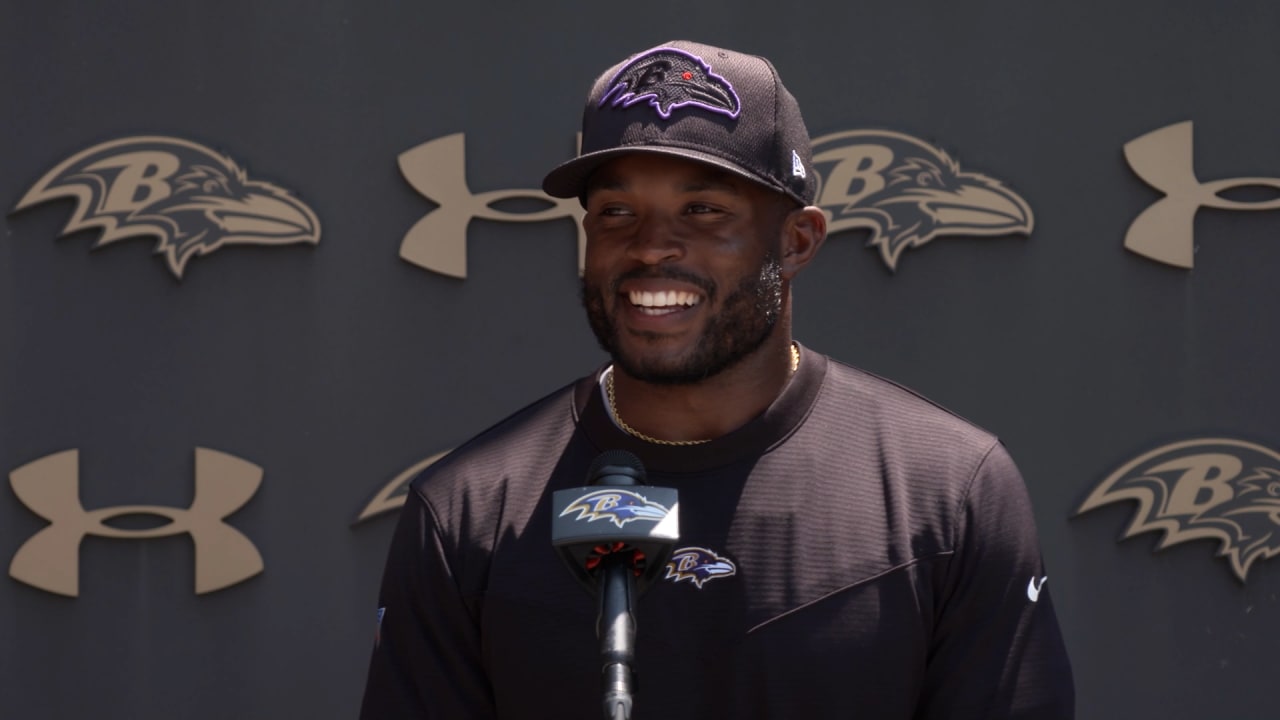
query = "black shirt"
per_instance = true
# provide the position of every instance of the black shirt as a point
(855, 551)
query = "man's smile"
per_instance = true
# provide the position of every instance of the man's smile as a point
(663, 302)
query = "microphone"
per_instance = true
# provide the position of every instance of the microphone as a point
(616, 536)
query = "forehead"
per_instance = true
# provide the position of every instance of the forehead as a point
(636, 171)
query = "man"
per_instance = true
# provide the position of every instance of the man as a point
(847, 549)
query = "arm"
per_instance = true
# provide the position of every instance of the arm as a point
(997, 652)
(427, 660)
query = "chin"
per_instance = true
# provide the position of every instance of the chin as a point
(660, 368)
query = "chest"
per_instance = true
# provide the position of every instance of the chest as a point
(761, 612)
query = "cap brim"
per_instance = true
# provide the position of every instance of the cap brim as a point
(569, 180)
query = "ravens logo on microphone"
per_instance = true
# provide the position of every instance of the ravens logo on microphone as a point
(618, 506)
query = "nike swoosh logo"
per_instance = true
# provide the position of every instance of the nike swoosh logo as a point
(1033, 589)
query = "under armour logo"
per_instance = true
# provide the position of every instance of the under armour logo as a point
(1165, 231)
(50, 487)
(438, 242)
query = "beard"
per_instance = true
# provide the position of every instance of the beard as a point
(745, 320)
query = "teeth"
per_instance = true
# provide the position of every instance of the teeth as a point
(669, 298)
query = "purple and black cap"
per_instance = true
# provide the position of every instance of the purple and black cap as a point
(699, 102)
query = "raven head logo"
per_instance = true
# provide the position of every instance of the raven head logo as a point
(669, 79)
(1203, 489)
(698, 565)
(192, 199)
(908, 192)
(618, 506)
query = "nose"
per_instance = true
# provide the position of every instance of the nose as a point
(655, 241)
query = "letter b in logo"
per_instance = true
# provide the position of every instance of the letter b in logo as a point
(50, 487)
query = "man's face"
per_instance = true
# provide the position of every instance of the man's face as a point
(681, 278)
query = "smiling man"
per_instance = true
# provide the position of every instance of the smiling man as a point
(685, 286)
(847, 548)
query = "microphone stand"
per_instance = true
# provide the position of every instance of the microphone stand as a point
(615, 536)
(616, 628)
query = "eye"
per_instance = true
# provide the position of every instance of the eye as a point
(700, 209)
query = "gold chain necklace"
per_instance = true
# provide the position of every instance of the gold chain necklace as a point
(613, 409)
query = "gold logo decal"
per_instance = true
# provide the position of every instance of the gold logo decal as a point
(50, 487)
(438, 242)
(1203, 489)
(192, 199)
(391, 496)
(1165, 231)
(908, 192)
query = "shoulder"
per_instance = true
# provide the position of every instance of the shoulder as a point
(918, 454)
(898, 416)
(483, 469)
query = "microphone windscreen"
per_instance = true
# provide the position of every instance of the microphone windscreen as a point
(611, 464)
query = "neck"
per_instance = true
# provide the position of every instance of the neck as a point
(712, 407)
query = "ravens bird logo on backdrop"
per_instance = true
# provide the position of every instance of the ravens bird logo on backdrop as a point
(670, 79)
(908, 192)
(1203, 489)
(192, 199)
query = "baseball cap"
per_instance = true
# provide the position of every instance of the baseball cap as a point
(695, 101)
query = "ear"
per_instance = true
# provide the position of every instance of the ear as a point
(803, 233)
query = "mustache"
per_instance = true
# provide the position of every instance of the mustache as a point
(665, 273)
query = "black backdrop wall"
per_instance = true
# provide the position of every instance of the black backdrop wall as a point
(279, 331)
